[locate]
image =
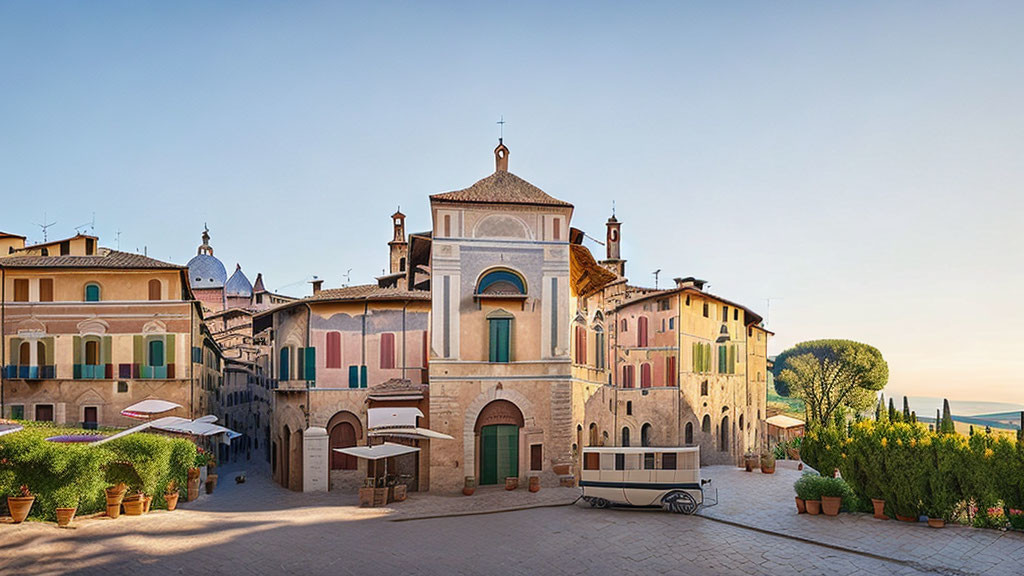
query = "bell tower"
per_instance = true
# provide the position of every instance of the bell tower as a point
(613, 239)
(399, 246)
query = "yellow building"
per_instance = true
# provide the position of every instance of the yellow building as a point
(87, 331)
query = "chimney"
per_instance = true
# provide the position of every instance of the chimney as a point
(317, 284)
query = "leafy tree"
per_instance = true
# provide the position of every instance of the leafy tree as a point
(828, 374)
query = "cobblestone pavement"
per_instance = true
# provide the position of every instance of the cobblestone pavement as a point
(259, 528)
(765, 502)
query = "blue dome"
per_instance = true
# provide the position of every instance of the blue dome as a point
(206, 271)
(238, 284)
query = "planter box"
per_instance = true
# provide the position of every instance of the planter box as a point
(365, 497)
(380, 497)
(398, 493)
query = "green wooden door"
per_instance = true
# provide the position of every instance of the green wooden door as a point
(499, 453)
(499, 349)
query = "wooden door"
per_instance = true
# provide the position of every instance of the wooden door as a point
(499, 453)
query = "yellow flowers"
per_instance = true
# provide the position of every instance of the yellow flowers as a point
(899, 442)
(885, 442)
(988, 452)
(844, 455)
(913, 442)
(926, 441)
(849, 441)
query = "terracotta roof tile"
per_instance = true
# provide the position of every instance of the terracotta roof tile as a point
(368, 292)
(501, 188)
(106, 258)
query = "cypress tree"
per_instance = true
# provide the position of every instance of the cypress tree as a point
(947, 426)
(1020, 429)
(938, 420)
(906, 410)
(971, 431)
(880, 413)
(913, 417)
(894, 416)
(988, 430)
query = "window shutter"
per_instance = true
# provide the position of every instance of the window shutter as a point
(105, 351)
(76, 343)
(362, 376)
(140, 350)
(49, 351)
(169, 349)
(310, 364)
(353, 376)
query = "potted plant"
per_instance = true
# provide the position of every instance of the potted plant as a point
(211, 483)
(66, 500)
(366, 493)
(812, 494)
(469, 486)
(134, 503)
(802, 489)
(192, 484)
(115, 495)
(534, 484)
(833, 490)
(380, 493)
(147, 501)
(879, 505)
(793, 448)
(171, 495)
(511, 482)
(750, 461)
(767, 463)
(20, 504)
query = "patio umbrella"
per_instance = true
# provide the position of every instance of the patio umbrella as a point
(149, 408)
(8, 426)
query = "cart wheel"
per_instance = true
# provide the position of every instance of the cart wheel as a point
(602, 503)
(679, 503)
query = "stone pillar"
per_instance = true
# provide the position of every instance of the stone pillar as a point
(315, 454)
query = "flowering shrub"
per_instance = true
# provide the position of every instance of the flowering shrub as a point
(921, 472)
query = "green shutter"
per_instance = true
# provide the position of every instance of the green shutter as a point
(300, 363)
(49, 351)
(139, 354)
(362, 376)
(353, 376)
(169, 348)
(106, 350)
(76, 341)
(282, 368)
(499, 339)
(311, 364)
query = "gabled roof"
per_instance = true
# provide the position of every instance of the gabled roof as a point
(105, 259)
(501, 188)
(55, 242)
(9, 235)
(367, 292)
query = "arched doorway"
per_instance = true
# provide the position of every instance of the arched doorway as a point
(689, 434)
(723, 437)
(285, 458)
(344, 431)
(594, 437)
(295, 464)
(497, 430)
(625, 437)
(645, 435)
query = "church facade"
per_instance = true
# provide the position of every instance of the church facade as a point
(531, 349)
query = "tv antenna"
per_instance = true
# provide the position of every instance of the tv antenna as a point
(45, 225)
(768, 308)
(656, 273)
(117, 238)
(90, 225)
(348, 277)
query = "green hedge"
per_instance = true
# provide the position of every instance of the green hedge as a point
(59, 475)
(921, 472)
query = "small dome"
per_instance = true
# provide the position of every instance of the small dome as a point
(238, 284)
(206, 271)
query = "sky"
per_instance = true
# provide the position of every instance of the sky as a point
(856, 165)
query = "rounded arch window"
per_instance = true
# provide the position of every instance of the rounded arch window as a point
(705, 424)
(645, 435)
(92, 292)
(501, 281)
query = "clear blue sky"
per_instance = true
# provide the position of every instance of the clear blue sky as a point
(859, 162)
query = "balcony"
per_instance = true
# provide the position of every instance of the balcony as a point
(30, 372)
(93, 371)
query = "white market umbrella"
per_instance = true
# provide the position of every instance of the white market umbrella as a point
(148, 408)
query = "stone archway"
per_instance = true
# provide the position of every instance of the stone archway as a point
(498, 430)
(473, 413)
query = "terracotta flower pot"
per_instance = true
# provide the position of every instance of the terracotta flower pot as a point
(193, 489)
(469, 487)
(879, 508)
(751, 462)
(830, 505)
(172, 501)
(511, 483)
(936, 522)
(133, 505)
(767, 468)
(114, 498)
(801, 506)
(64, 516)
(20, 507)
(211, 483)
(906, 518)
(146, 502)
(813, 507)
(534, 483)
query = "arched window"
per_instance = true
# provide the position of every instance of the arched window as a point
(599, 348)
(627, 377)
(401, 265)
(723, 437)
(156, 352)
(645, 375)
(593, 434)
(625, 325)
(625, 437)
(283, 369)
(343, 435)
(501, 281)
(581, 345)
(25, 354)
(641, 332)
(689, 433)
(704, 388)
(92, 292)
(92, 351)
(155, 290)
(645, 435)
(741, 422)
(334, 349)
(705, 424)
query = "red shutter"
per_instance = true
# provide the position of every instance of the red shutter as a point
(641, 332)
(387, 350)
(670, 371)
(645, 375)
(334, 349)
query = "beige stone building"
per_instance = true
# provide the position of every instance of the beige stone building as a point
(88, 331)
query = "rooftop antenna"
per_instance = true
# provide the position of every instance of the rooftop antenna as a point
(613, 208)
(348, 277)
(45, 225)
(501, 128)
(768, 309)
(117, 238)
(90, 225)
(656, 272)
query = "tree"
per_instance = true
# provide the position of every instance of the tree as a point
(1020, 429)
(970, 432)
(906, 410)
(880, 415)
(894, 416)
(913, 417)
(829, 374)
(947, 426)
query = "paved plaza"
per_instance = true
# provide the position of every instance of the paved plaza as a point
(260, 528)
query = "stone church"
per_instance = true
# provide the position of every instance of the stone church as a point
(532, 349)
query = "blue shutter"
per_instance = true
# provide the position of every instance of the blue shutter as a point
(311, 365)
(353, 376)
(362, 376)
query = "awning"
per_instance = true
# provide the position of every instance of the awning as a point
(8, 426)
(203, 427)
(412, 432)
(377, 417)
(148, 408)
(385, 450)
